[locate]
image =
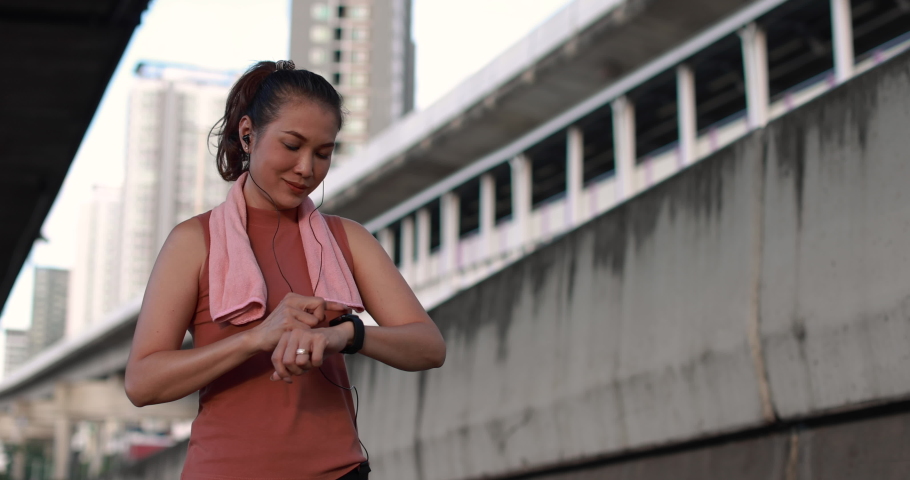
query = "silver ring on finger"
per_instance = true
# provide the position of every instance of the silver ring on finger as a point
(301, 351)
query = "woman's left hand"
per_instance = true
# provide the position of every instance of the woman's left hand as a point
(316, 342)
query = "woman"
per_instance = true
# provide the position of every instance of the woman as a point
(274, 400)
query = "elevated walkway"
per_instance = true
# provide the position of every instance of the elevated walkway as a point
(756, 292)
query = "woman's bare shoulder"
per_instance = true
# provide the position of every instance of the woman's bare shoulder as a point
(187, 242)
(189, 234)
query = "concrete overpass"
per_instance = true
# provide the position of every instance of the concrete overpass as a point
(713, 326)
(584, 47)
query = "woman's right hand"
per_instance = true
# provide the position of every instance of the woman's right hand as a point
(292, 313)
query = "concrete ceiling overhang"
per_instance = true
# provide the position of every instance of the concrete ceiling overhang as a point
(628, 37)
(58, 58)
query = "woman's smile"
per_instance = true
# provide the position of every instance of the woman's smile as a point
(297, 188)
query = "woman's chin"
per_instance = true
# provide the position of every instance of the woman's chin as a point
(289, 203)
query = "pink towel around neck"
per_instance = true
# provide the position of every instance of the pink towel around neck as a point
(237, 291)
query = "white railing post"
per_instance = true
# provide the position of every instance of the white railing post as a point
(487, 213)
(755, 64)
(688, 119)
(387, 240)
(521, 200)
(574, 173)
(407, 248)
(450, 211)
(842, 39)
(624, 145)
(423, 245)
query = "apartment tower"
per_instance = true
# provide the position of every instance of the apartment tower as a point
(170, 165)
(364, 48)
(95, 278)
(16, 352)
(49, 303)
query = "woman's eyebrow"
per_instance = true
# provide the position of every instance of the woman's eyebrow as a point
(291, 132)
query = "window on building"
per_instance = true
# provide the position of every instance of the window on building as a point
(360, 56)
(320, 11)
(359, 79)
(342, 10)
(339, 34)
(317, 56)
(336, 78)
(469, 209)
(337, 56)
(435, 225)
(360, 34)
(319, 34)
(359, 13)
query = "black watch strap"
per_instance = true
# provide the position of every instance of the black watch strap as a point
(357, 344)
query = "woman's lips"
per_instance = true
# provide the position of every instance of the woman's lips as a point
(296, 188)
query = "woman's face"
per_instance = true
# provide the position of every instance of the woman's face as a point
(290, 157)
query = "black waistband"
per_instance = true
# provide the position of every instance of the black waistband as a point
(362, 472)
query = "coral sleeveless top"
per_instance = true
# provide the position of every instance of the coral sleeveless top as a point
(250, 427)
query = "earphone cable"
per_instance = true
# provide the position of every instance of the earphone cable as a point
(352, 388)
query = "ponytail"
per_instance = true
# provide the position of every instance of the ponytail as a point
(259, 94)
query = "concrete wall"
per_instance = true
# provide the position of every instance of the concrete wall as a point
(868, 448)
(768, 283)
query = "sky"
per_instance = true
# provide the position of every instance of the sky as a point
(454, 39)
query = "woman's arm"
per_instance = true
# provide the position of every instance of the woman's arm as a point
(157, 370)
(406, 337)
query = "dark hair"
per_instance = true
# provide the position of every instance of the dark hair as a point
(260, 93)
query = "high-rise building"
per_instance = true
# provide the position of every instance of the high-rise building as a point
(364, 48)
(16, 352)
(95, 278)
(170, 168)
(48, 308)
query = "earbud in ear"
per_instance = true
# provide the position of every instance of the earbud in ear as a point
(246, 139)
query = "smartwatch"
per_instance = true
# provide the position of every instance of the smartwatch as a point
(357, 344)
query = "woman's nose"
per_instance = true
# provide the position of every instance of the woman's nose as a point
(304, 166)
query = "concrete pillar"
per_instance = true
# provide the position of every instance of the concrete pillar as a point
(423, 244)
(387, 240)
(487, 212)
(407, 248)
(687, 115)
(624, 145)
(450, 212)
(575, 173)
(755, 63)
(96, 456)
(521, 199)
(842, 39)
(63, 435)
(18, 467)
